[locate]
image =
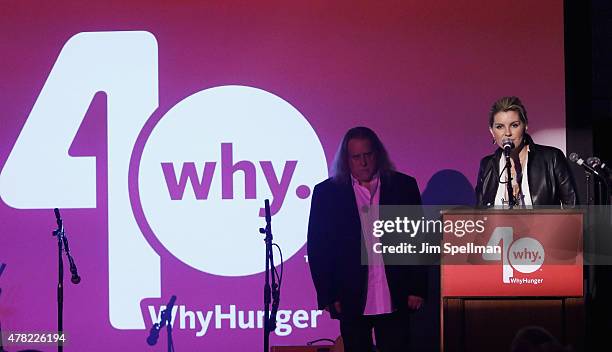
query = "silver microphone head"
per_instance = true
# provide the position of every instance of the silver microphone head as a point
(507, 146)
(593, 161)
(573, 157)
(507, 142)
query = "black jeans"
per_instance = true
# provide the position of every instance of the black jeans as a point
(391, 330)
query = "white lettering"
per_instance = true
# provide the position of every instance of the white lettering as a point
(231, 316)
(199, 320)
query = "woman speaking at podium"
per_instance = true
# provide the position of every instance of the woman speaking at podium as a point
(539, 174)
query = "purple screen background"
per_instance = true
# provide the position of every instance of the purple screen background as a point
(422, 75)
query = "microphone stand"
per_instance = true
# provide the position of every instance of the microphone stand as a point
(62, 246)
(59, 233)
(271, 293)
(166, 320)
(511, 199)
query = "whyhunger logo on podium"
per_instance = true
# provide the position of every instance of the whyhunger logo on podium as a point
(193, 179)
(541, 255)
(525, 255)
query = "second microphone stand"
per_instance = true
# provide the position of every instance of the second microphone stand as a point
(271, 292)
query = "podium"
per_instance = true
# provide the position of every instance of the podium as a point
(525, 268)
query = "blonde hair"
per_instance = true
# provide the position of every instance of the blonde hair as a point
(508, 104)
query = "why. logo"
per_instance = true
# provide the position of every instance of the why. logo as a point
(200, 173)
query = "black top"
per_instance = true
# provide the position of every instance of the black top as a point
(335, 246)
(548, 175)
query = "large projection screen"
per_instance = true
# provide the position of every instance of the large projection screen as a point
(159, 128)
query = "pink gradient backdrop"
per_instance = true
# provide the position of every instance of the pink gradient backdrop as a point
(421, 74)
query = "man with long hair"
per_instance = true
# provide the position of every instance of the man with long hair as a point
(363, 296)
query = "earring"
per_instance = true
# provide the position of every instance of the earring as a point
(494, 142)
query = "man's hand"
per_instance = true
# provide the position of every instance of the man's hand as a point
(337, 307)
(415, 302)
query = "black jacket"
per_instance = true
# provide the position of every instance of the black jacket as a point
(548, 175)
(335, 246)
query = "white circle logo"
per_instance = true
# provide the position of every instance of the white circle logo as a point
(209, 164)
(526, 255)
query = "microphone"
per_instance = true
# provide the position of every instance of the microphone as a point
(75, 275)
(73, 268)
(596, 164)
(166, 315)
(153, 335)
(507, 145)
(573, 157)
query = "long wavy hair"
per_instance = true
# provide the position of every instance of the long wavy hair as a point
(341, 171)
